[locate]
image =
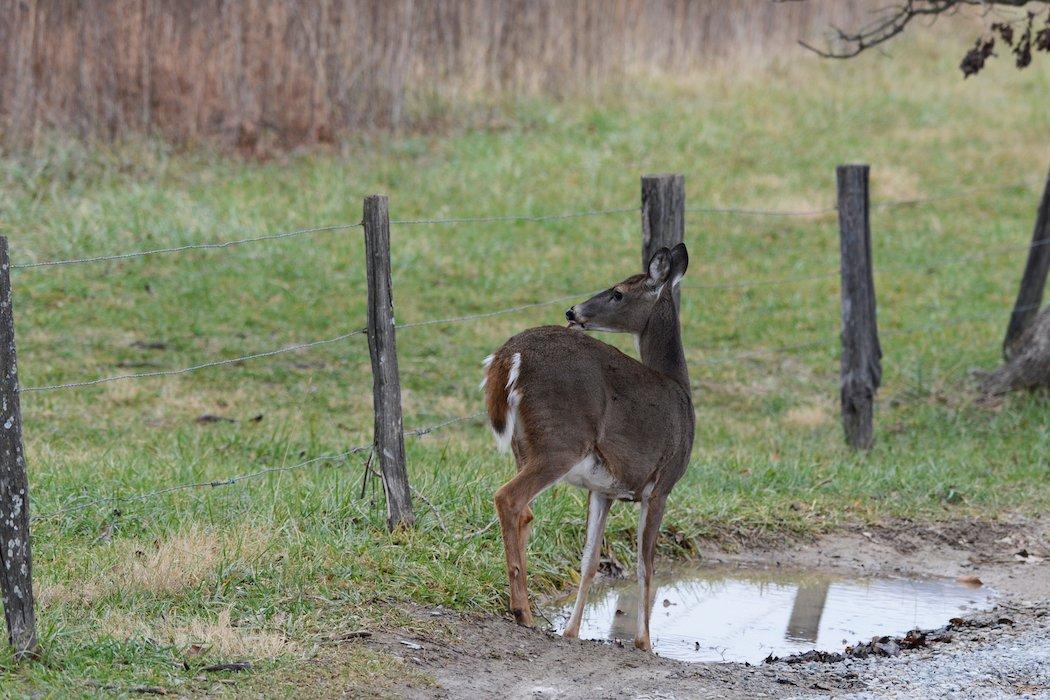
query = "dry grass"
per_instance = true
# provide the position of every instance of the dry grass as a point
(807, 417)
(165, 567)
(257, 74)
(219, 636)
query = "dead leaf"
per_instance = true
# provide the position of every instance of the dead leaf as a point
(107, 533)
(150, 345)
(970, 580)
(212, 418)
(231, 666)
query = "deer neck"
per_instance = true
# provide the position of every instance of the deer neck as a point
(660, 342)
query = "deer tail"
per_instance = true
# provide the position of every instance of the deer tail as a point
(502, 395)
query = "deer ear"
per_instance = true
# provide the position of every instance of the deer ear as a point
(659, 269)
(679, 263)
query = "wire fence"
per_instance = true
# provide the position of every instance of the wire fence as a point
(513, 218)
(745, 355)
(515, 309)
(182, 248)
(238, 478)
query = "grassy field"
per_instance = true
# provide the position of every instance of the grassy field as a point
(269, 570)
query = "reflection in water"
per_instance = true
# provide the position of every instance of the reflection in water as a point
(804, 622)
(734, 614)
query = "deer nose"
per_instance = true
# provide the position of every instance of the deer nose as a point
(570, 315)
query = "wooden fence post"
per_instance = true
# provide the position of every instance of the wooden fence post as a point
(663, 216)
(1033, 283)
(16, 566)
(389, 438)
(861, 367)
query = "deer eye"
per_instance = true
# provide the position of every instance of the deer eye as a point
(617, 295)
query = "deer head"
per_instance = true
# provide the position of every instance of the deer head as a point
(627, 307)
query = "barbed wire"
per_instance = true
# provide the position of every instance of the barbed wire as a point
(963, 260)
(426, 430)
(515, 217)
(498, 312)
(231, 480)
(888, 204)
(762, 212)
(877, 269)
(292, 348)
(742, 211)
(421, 432)
(759, 353)
(193, 368)
(951, 195)
(213, 483)
(514, 309)
(179, 249)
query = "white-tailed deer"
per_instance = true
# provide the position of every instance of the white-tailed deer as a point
(578, 410)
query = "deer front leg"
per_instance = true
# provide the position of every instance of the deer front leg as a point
(649, 518)
(597, 511)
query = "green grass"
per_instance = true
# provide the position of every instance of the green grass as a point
(269, 568)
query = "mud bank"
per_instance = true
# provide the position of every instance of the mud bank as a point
(1005, 652)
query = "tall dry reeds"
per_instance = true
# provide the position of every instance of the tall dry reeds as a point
(289, 72)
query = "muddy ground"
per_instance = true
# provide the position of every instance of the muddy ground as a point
(1005, 653)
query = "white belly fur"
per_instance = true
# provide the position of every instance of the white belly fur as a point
(590, 473)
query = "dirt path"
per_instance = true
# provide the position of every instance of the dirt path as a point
(1002, 653)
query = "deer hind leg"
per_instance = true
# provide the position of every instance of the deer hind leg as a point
(649, 518)
(512, 505)
(597, 511)
(525, 521)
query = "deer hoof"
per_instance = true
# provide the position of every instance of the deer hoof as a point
(522, 617)
(643, 644)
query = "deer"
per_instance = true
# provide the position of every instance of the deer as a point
(577, 410)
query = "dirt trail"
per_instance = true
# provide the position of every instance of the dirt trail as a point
(1003, 653)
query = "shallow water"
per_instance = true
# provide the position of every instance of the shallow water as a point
(741, 614)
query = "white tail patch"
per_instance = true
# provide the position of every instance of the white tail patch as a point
(515, 368)
(486, 363)
(513, 401)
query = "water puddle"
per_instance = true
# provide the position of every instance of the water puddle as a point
(740, 614)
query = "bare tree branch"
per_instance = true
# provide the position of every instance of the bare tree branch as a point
(896, 19)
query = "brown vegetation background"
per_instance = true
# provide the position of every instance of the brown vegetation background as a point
(289, 73)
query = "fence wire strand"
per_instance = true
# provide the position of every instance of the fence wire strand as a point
(237, 478)
(179, 249)
(803, 213)
(213, 483)
(193, 368)
(498, 312)
(830, 338)
(877, 269)
(757, 353)
(914, 201)
(516, 217)
(741, 211)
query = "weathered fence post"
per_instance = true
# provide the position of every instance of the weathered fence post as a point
(861, 367)
(389, 440)
(1033, 283)
(16, 566)
(663, 215)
